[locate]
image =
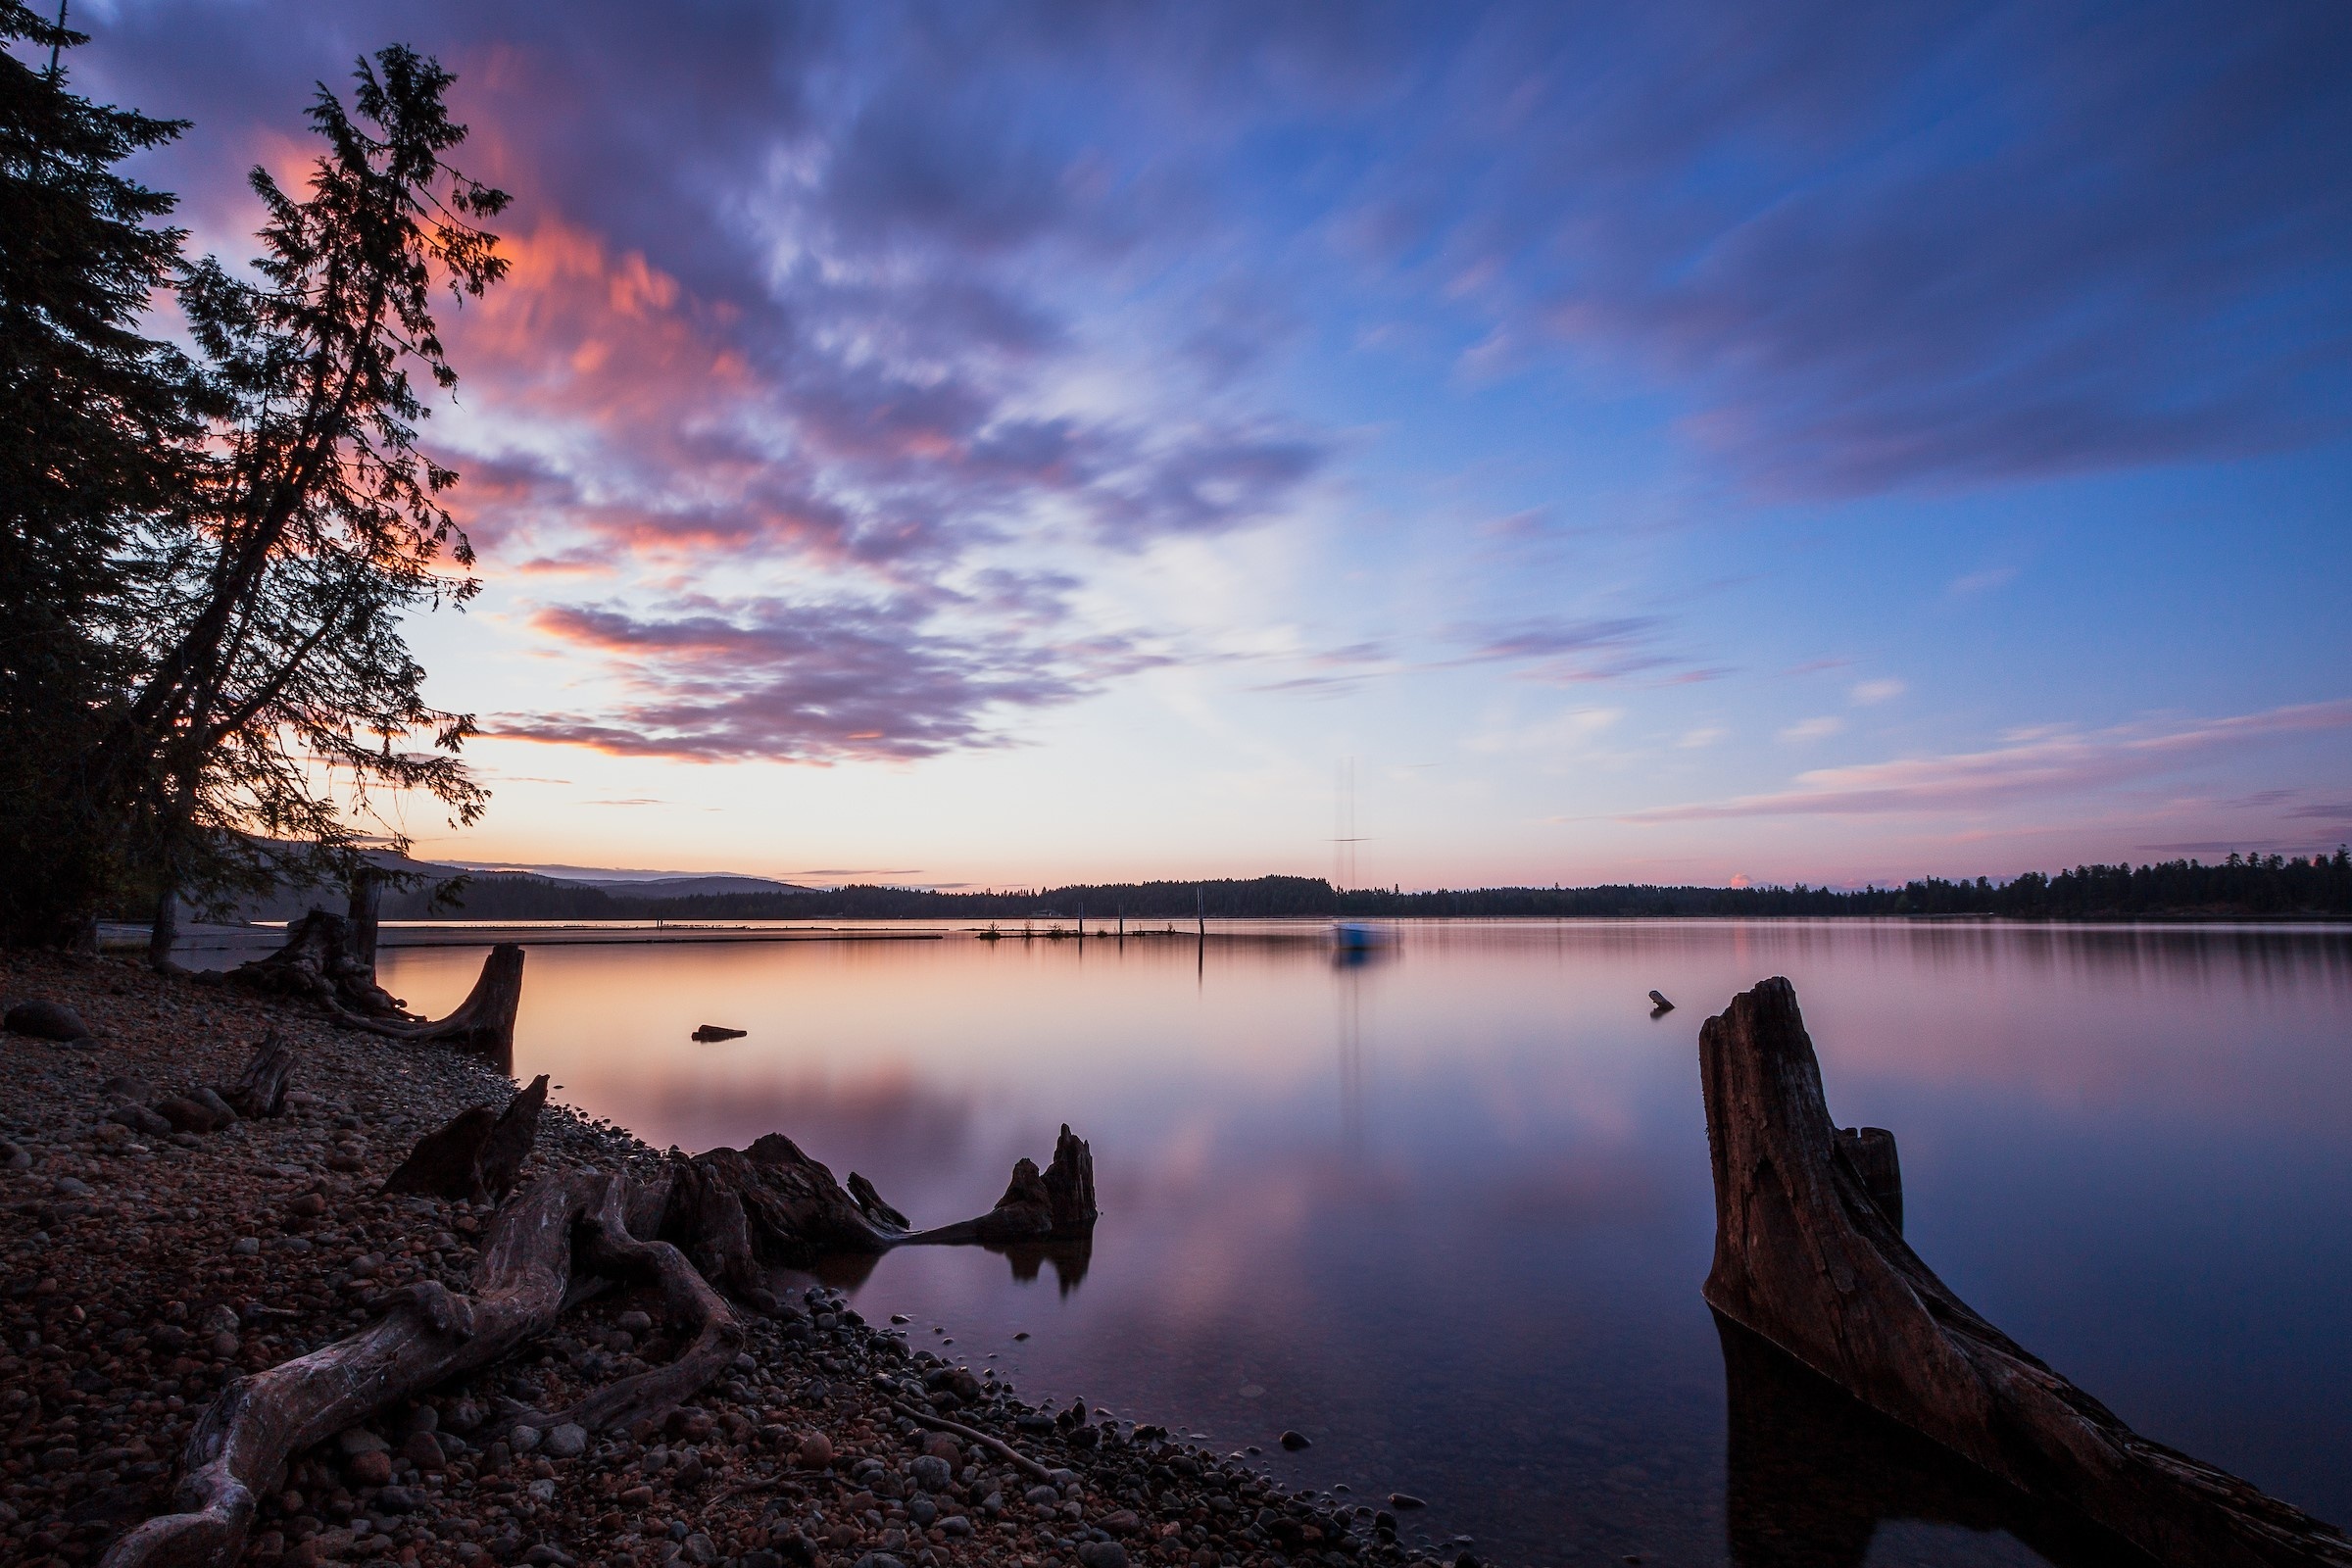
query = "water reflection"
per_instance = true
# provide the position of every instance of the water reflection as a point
(1815, 1477)
(1446, 1210)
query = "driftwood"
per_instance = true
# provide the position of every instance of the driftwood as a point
(710, 1032)
(1808, 1256)
(431, 1335)
(484, 1021)
(478, 1155)
(260, 1091)
(557, 1242)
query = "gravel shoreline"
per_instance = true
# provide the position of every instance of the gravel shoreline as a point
(140, 1269)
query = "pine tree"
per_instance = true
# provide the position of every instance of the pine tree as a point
(95, 424)
(278, 690)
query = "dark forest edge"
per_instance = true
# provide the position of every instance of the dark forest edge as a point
(2242, 886)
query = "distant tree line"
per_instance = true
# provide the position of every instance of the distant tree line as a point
(2238, 887)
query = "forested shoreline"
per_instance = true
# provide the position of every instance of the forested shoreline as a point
(2239, 887)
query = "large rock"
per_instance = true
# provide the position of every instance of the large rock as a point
(44, 1019)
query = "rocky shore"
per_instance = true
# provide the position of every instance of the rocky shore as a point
(154, 1245)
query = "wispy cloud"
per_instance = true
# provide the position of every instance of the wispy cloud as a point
(1971, 584)
(771, 679)
(2044, 766)
(1813, 729)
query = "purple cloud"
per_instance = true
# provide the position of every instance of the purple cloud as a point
(818, 683)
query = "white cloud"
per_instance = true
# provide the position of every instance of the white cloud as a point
(2041, 764)
(1693, 740)
(1869, 692)
(1813, 729)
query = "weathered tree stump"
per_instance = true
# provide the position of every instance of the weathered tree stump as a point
(319, 963)
(1807, 1257)
(260, 1091)
(1057, 1206)
(477, 1154)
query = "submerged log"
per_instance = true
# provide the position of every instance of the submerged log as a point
(1808, 1256)
(710, 1032)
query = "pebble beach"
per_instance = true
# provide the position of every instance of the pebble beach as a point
(153, 1248)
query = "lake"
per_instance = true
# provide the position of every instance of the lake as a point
(1447, 1212)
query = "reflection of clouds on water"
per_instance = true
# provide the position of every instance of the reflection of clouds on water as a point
(1449, 1210)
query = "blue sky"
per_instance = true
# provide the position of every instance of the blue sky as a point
(1006, 442)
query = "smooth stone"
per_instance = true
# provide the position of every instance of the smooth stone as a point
(523, 1438)
(354, 1441)
(1405, 1499)
(568, 1441)
(931, 1473)
(44, 1019)
(1294, 1441)
(1101, 1555)
(634, 1322)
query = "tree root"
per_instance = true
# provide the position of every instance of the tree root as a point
(558, 1243)
(1809, 1254)
(606, 1246)
(997, 1446)
(429, 1336)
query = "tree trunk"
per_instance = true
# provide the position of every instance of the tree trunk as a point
(1810, 1258)
(363, 911)
(164, 935)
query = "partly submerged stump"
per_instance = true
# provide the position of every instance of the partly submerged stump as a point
(1809, 1255)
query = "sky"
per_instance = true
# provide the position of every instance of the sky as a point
(1008, 444)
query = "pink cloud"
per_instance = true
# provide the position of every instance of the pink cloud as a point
(2040, 765)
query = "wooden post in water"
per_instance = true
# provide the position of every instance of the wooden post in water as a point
(1200, 912)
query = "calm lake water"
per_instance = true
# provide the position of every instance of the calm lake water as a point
(1448, 1212)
